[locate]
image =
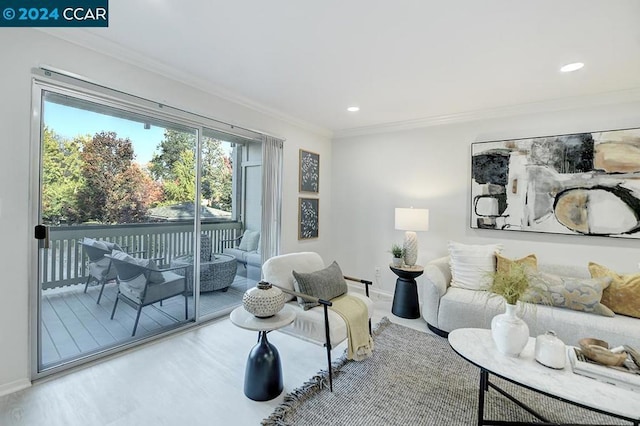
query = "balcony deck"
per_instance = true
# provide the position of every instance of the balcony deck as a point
(74, 325)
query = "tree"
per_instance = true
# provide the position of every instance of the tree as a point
(104, 157)
(182, 187)
(131, 194)
(171, 149)
(217, 176)
(61, 177)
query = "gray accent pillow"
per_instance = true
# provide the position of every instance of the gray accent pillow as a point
(326, 284)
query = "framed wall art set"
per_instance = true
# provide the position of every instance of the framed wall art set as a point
(309, 208)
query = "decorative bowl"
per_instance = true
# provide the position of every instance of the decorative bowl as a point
(263, 300)
(598, 350)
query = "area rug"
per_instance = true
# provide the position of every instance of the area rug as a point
(413, 378)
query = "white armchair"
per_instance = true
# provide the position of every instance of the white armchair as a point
(317, 325)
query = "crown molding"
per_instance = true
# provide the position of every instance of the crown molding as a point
(553, 105)
(100, 44)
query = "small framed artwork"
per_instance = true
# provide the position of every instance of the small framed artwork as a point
(309, 171)
(308, 218)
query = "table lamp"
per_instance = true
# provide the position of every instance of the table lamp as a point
(411, 220)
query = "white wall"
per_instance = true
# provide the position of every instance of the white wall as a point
(24, 49)
(430, 168)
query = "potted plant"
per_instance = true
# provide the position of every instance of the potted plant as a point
(398, 254)
(509, 332)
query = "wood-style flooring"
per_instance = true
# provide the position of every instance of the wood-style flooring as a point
(193, 378)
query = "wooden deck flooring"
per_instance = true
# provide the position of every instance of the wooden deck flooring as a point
(73, 325)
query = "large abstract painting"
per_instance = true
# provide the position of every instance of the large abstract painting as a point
(581, 184)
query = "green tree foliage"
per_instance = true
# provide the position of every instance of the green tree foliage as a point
(61, 177)
(170, 151)
(182, 186)
(217, 178)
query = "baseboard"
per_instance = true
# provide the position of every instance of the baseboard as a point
(14, 386)
(374, 294)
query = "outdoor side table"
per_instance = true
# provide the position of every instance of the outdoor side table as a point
(263, 374)
(405, 296)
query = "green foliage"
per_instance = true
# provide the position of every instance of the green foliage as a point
(61, 177)
(182, 187)
(170, 150)
(217, 176)
(512, 283)
(397, 251)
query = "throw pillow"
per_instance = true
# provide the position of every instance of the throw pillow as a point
(249, 241)
(503, 264)
(623, 295)
(579, 294)
(472, 265)
(325, 284)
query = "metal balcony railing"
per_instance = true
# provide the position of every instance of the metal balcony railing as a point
(64, 263)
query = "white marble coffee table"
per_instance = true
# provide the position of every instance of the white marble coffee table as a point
(476, 346)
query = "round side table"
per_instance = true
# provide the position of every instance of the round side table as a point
(405, 297)
(263, 374)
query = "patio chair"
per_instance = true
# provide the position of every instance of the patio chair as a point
(142, 283)
(99, 267)
(318, 324)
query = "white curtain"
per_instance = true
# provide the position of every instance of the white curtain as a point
(272, 163)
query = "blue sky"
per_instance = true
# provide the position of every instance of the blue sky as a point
(70, 122)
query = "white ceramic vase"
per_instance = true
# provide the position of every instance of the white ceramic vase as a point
(509, 332)
(263, 300)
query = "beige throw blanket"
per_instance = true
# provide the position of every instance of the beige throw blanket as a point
(355, 315)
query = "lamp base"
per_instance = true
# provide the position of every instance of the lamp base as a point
(410, 248)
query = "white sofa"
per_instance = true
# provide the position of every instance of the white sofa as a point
(447, 308)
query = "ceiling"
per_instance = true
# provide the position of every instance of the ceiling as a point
(398, 60)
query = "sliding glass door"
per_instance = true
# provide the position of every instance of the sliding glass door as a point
(139, 214)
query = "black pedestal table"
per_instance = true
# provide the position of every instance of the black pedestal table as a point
(405, 297)
(263, 373)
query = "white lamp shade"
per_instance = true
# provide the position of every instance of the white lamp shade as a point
(412, 219)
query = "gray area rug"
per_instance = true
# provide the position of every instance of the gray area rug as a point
(413, 378)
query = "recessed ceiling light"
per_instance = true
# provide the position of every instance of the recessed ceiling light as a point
(572, 67)
(353, 109)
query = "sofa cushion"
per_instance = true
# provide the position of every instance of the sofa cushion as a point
(325, 284)
(623, 295)
(580, 294)
(310, 323)
(249, 241)
(460, 308)
(472, 265)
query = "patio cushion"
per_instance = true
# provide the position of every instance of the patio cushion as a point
(249, 241)
(135, 267)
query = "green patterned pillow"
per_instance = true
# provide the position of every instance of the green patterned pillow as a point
(325, 284)
(580, 294)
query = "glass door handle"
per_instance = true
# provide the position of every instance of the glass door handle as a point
(42, 234)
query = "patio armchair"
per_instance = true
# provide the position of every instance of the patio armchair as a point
(317, 325)
(99, 267)
(142, 283)
(246, 250)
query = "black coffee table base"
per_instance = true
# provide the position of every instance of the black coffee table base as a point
(263, 375)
